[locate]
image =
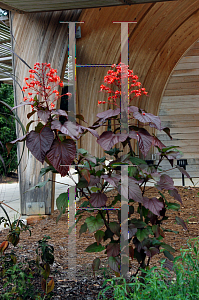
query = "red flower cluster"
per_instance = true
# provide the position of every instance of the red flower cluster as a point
(115, 78)
(42, 82)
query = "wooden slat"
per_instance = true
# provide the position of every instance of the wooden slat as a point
(51, 5)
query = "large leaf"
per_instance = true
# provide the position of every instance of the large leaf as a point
(98, 199)
(154, 121)
(68, 128)
(62, 201)
(59, 112)
(153, 204)
(108, 139)
(174, 193)
(39, 143)
(157, 143)
(62, 153)
(99, 236)
(113, 264)
(112, 179)
(142, 234)
(94, 248)
(130, 190)
(108, 114)
(184, 172)
(144, 139)
(94, 223)
(43, 115)
(165, 183)
(113, 249)
(151, 251)
(115, 228)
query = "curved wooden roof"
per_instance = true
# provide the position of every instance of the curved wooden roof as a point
(26, 6)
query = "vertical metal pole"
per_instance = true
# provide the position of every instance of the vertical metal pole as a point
(72, 117)
(124, 122)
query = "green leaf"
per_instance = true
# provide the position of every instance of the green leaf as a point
(99, 236)
(39, 185)
(173, 206)
(94, 248)
(94, 223)
(83, 229)
(138, 223)
(95, 189)
(83, 183)
(85, 204)
(115, 228)
(142, 234)
(61, 213)
(46, 170)
(39, 127)
(113, 151)
(137, 161)
(168, 255)
(62, 201)
(113, 264)
(28, 125)
(167, 247)
(96, 264)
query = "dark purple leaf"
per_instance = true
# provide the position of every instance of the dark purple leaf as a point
(108, 139)
(93, 180)
(154, 121)
(130, 190)
(113, 249)
(59, 112)
(62, 153)
(39, 143)
(181, 222)
(144, 139)
(21, 139)
(153, 204)
(68, 128)
(92, 131)
(98, 199)
(157, 143)
(31, 114)
(133, 109)
(183, 171)
(43, 115)
(165, 182)
(151, 251)
(108, 114)
(112, 179)
(174, 193)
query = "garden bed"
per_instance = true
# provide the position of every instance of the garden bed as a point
(86, 287)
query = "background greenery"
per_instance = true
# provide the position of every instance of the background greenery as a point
(7, 129)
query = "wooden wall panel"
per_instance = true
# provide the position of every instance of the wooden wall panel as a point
(163, 33)
(38, 38)
(179, 109)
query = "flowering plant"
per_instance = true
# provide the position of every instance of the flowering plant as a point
(95, 175)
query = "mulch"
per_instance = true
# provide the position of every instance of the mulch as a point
(85, 286)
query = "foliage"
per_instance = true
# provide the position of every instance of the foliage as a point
(7, 129)
(160, 284)
(46, 143)
(18, 277)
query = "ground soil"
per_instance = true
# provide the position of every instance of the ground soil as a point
(59, 239)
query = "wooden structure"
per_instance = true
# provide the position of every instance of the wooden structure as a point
(179, 110)
(163, 33)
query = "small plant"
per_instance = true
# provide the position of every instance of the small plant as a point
(182, 282)
(45, 253)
